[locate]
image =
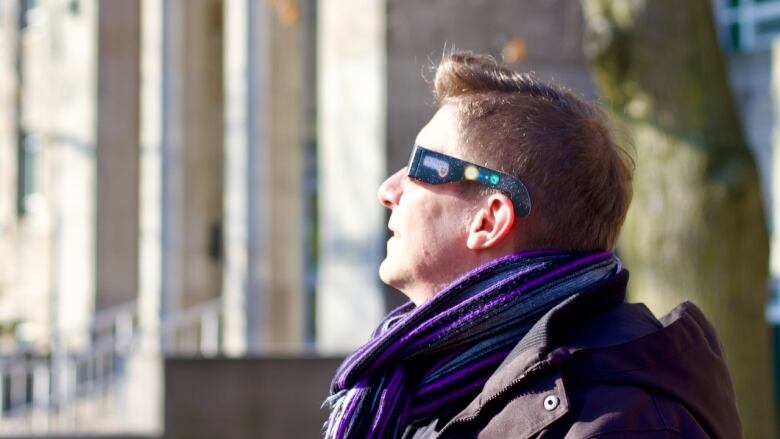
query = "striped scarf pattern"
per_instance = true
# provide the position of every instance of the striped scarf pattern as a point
(428, 362)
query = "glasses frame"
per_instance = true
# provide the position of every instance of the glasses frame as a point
(436, 168)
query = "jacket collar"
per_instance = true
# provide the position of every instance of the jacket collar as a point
(531, 358)
(545, 335)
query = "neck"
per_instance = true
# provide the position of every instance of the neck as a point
(421, 292)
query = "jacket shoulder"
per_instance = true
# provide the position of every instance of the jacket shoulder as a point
(594, 411)
(612, 411)
(620, 373)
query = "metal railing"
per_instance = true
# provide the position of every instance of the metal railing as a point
(76, 389)
(195, 330)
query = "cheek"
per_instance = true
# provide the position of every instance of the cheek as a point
(448, 237)
(435, 227)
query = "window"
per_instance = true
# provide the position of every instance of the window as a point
(748, 25)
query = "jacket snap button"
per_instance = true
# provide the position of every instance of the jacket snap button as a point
(551, 402)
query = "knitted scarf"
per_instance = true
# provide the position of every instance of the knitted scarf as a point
(428, 362)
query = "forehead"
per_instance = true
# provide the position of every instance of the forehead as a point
(441, 132)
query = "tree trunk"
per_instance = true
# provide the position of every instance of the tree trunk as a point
(696, 228)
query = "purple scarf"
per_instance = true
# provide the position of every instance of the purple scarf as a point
(428, 362)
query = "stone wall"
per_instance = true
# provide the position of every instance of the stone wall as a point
(247, 397)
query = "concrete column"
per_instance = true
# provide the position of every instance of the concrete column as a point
(68, 121)
(150, 196)
(284, 176)
(259, 201)
(264, 304)
(352, 135)
(310, 177)
(8, 139)
(119, 26)
(33, 252)
(142, 393)
(192, 153)
(236, 199)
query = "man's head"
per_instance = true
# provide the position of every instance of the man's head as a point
(560, 147)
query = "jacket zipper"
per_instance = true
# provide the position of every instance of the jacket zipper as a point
(531, 370)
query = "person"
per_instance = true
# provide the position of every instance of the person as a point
(504, 226)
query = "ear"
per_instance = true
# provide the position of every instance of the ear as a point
(492, 223)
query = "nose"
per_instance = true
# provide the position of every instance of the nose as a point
(390, 191)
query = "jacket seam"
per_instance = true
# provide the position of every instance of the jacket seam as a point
(660, 415)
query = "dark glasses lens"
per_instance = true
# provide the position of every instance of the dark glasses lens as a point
(436, 168)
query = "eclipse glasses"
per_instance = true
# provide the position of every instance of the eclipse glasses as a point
(436, 168)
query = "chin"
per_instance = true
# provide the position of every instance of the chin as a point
(388, 274)
(384, 272)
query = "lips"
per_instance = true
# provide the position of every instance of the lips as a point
(392, 229)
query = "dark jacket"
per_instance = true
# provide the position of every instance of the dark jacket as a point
(595, 366)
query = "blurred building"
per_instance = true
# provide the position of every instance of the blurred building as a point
(161, 163)
(198, 178)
